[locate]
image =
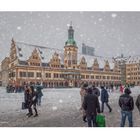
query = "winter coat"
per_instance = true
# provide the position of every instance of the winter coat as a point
(126, 102)
(96, 91)
(91, 104)
(138, 102)
(39, 91)
(104, 95)
(30, 97)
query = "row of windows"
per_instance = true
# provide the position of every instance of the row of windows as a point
(131, 69)
(134, 73)
(29, 74)
(99, 77)
(34, 64)
(133, 78)
(56, 75)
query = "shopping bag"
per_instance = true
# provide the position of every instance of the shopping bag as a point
(24, 105)
(100, 120)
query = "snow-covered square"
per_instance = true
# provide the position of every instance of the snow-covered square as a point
(59, 108)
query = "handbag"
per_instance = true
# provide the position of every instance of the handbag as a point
(100, 120)
(24, 105)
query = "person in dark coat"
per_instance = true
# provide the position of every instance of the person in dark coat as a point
(138, 102)
(91, 107)
(96, 91)
(126, 104)
(31, 100)
(39, 93)
(104, 99)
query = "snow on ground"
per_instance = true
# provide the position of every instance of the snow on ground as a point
(60, 108)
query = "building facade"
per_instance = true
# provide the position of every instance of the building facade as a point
(133, 70)
(56, 68)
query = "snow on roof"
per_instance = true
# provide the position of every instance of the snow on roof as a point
(24, 51)
(133, 59)
(101, 60)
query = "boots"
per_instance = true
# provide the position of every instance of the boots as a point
(36, 115)
(84, 118)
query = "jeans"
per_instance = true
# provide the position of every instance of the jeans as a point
(92, 121)
(39, 101)
(102, 109)
(130, 118)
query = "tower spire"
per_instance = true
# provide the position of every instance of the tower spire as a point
(70, 40)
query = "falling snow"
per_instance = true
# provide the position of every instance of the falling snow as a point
(18, 28)
(114, 15)
(109, 29)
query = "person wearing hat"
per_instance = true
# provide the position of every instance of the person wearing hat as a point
(126, 104)
(91, 107)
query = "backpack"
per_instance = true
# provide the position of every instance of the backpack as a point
(100, 120)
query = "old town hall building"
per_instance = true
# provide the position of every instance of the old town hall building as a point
(55, 68)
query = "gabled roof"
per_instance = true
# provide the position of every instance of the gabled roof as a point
(101, 61)
(133, 59)
(24, 51)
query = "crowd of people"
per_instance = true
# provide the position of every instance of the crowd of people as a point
(93, 100)
(12, 88)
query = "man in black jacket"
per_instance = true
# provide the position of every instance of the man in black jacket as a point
(127, 105)
(91, 106)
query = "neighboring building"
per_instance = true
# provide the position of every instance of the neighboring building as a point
(133, 70)
(5, 71)
(87, 50)
(121, 61)
(54, 68)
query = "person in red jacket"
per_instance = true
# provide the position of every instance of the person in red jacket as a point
(121, 89)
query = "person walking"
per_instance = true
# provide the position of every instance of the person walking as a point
(83, 92)
(39, 93)
(104, 99)
(126, 104)
(31, 100)
(121, 88)
(91, 107)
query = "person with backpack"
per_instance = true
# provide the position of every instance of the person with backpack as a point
(104, 99)
(91, 107)
(126, 104)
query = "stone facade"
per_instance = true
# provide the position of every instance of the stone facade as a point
(68, 68)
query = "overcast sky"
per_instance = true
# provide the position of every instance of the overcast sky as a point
(110, 33)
